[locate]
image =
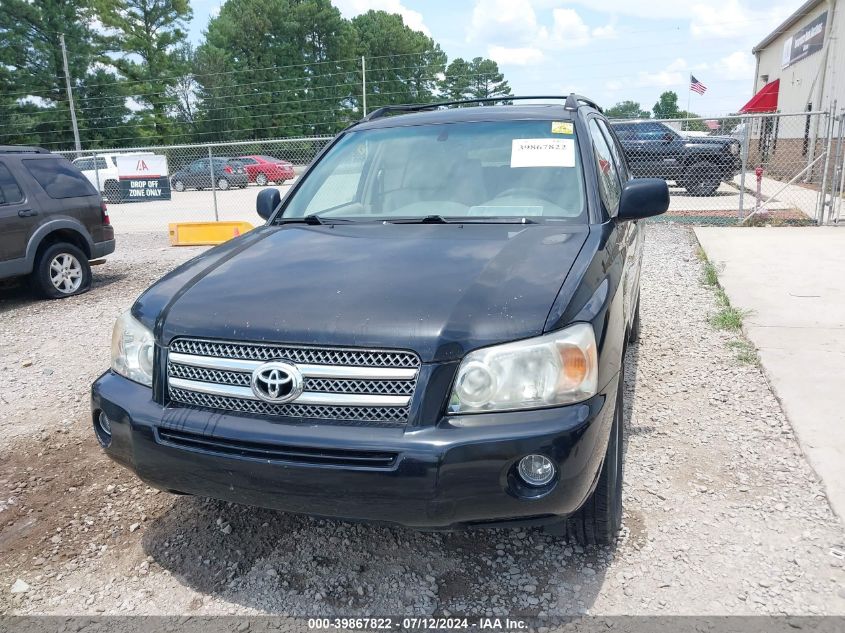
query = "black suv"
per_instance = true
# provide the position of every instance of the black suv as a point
(52, 222)
(429, 330)
(697, 163)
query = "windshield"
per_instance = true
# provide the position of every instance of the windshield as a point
(509, 169)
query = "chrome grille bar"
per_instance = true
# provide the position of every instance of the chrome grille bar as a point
(313, 397)
(307, 370)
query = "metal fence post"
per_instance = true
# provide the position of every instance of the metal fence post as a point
(744, 151)
(97, 175)
(823, 193)
(213, 183)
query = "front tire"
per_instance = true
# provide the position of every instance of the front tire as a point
(61, 271)
(598, 521)
(703, 179)
(261, 180)
(178, 185)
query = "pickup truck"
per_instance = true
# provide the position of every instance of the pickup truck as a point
(697, 163)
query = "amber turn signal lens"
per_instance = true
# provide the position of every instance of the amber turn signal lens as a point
(574, 366)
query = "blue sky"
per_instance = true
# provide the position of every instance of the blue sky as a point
(610, 50)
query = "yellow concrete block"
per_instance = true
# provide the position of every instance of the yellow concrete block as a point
(205, 233)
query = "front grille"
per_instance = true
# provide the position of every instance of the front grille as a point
(340, 386)
(277, 452)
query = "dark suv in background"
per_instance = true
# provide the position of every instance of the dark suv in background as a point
(52, 222)
(697, 163)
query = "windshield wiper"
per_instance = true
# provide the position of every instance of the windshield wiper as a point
(313, 219)
(439, 219)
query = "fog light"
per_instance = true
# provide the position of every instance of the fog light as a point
(105, 424)
(536, 470)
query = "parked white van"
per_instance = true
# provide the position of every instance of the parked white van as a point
(101, 171)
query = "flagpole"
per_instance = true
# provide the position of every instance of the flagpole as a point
(689, 97)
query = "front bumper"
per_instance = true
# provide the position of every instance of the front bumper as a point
(457, 472)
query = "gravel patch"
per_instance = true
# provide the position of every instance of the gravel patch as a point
(53, 350)
(723, 514)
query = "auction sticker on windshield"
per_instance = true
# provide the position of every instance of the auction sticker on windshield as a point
(543, 152)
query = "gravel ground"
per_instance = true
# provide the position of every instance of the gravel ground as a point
(723, 514)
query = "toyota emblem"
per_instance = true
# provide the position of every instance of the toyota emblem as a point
(276, 382)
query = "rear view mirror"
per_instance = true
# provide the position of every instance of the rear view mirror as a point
(267, 202)
(643, 198)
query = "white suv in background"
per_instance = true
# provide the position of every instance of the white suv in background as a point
(101, 171)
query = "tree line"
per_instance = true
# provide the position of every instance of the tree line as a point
(666, 107)
(264, 69)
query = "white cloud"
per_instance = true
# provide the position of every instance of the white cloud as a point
(674, 75)
(412, 19)
(505, 23)
(513, 26)
(521, 56)
(728, 20)
(738, 66)
(569, 30)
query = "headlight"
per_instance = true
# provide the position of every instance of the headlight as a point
(550, 370)
(132, 350)
(734, 148)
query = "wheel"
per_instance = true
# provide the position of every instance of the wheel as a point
(261, 179)
(178, 185)
(222, 184)
(597, 522)
(634, 334)
(112, 191)
(703, 179)
(61, 270)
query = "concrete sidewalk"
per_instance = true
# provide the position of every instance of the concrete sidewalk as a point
(793, 279)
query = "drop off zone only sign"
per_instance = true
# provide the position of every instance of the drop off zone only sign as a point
(143, 177)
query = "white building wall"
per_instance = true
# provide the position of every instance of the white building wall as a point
(801, 83)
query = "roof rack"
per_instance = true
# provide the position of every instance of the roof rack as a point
(572, 102)
(22, 149)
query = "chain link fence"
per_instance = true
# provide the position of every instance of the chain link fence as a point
(748, 169)
(766, 168)
(148, 188)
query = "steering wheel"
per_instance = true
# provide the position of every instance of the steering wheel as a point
(530, 193)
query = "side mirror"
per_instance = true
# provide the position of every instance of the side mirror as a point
(643, 198)
(267, 202)
(668, 137)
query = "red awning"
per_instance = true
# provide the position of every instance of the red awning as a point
(766, 100)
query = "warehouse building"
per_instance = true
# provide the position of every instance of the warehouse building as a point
(800, 68)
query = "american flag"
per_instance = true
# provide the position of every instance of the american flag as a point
(695, 84)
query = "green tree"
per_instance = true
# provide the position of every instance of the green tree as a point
(403, 65)
(31, 66)
(106, 120)
(275, 68)
(478, 79)
(627, 110)
(667, 106)
(487, 81)
(457, 81)
(148, 35)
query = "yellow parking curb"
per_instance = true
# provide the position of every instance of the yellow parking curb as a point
(205, 233)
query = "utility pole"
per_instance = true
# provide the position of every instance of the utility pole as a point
(70, 97)
(364, 82)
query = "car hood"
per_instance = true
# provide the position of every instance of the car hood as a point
(440, 290)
